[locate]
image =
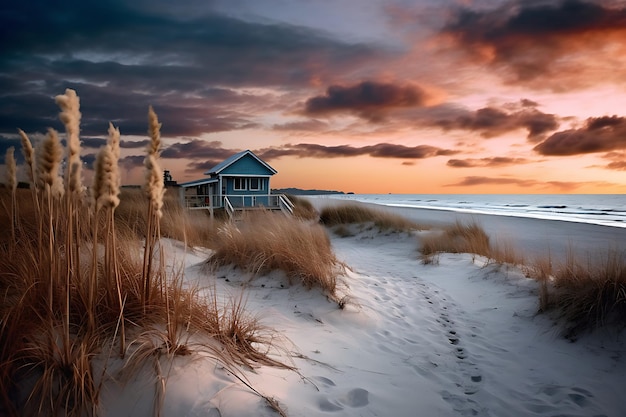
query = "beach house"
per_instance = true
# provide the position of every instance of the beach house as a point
(239, 183)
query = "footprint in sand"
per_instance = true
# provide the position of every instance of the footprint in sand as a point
(331, 401)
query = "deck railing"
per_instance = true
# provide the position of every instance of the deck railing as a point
(237, 202)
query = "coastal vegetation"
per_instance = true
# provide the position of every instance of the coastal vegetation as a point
(338, 216)
(84, 280)
(263, 242)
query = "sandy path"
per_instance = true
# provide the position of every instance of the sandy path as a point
(471, 333)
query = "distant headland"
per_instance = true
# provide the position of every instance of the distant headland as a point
(299, 191)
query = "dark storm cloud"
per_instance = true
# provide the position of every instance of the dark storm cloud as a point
(498, 161)
(599, 134)
(494, 121)
(530, 37)
(197, 149)
(368, 99)
(121, 57)
(380, 150)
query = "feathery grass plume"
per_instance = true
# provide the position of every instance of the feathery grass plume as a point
(29, 157)
(9, 161)
(154, 175)
(49, 155)
(70, 116)
(154, 188)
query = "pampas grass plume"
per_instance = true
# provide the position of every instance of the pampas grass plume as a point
(49, 155)
(154, 176)
(106, 182)
(29, 155)
(70, 116)
(9, 160)
(106, 187)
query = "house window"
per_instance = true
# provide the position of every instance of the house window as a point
(240, 184)
(256, 184)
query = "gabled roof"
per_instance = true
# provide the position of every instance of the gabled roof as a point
(236, 157)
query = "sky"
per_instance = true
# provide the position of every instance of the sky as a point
(364, 96)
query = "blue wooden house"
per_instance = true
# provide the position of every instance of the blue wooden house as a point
(241, 182)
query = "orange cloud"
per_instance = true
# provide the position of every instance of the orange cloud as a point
(498, 161)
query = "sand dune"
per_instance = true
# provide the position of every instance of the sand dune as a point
(457, 338)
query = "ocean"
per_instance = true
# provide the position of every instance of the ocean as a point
(600, 209)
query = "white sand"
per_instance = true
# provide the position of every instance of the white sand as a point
(457, 338)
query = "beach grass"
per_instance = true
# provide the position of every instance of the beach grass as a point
(264, 241)
(84, 282)
(467, 238)
(585, 292)
(303, 209)
(346, 214)
(455, 238)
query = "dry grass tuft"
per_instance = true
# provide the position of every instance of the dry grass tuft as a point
(457, 238)
(360, 214)
(266, 241)
(586, 293)
(303, 209)
(194, 227)
(467, 238)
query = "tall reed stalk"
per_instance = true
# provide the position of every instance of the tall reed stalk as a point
(9, 161)
(50, 187)
(107, 175)
(155, 190)
(70, 116)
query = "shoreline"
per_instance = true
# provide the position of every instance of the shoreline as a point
(534, 237)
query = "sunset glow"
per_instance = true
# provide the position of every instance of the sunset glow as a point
(364, 96)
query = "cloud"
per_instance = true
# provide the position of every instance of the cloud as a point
(368, 99)
(380, 150)
(311, 125)
(122, 57)
(493, 121)
(599, 134)
(473, 181)
(498, 161)
(197, 149)
(617, 161)
(532, 41)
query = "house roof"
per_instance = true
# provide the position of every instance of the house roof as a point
(236, 157)
(198, 182)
